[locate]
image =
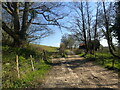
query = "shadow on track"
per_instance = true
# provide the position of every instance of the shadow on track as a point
(73, 62)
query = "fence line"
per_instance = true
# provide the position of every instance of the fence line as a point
(44, 57)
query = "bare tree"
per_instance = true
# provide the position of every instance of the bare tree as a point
(96, 22)
(88, 21)
(25, 14)
(78, 23)
(83, 25)
(95, 26)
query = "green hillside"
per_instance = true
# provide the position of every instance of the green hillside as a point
(28, 77)
(43, 47)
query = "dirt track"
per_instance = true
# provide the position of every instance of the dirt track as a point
(75, 72)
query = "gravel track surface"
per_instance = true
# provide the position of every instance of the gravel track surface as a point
(76, 72)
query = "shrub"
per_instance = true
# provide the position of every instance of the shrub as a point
(77, 51)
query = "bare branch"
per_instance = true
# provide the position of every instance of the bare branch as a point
(25, 18)
(7, 30)
(16, 16)
(7, 9)
(9, 6)
(45, 24)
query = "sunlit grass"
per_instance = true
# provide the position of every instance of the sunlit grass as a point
(28, 77)
(104, 59)
(47, 48)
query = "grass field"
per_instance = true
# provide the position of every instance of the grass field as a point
(47, 48)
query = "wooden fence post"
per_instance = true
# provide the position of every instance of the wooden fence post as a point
(32, 62)
(17, 66)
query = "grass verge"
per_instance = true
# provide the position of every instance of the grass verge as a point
(106, 60)
(28, 77)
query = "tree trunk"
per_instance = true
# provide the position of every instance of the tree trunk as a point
(95, 33)
(20, 42)
(88, 16)
(108, 33)
(83, 25)
(18, 33)
(113, 62)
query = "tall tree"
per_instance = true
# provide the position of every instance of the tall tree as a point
(108, 33)
(88, 21)
(24, 15)
(96, 22)
(79, 23)
(95, 37)
(83, 26)
(82, 23)
(116, 26)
